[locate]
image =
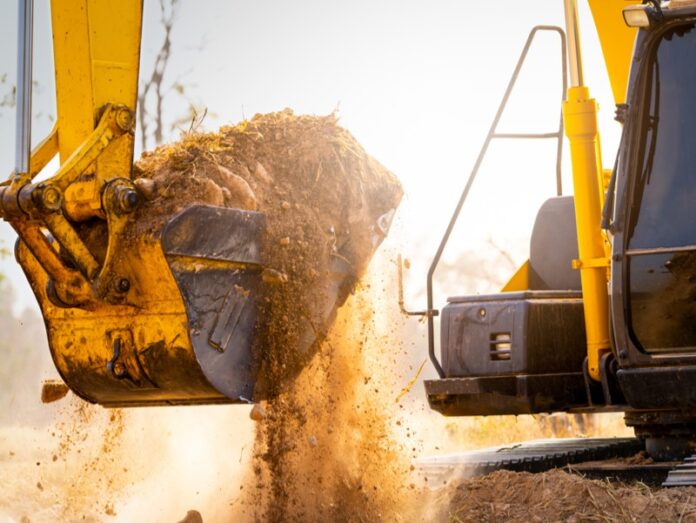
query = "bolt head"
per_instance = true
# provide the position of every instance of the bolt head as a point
(123, 285)
(51, 198)
(128, 199)
(131, 198)
(124, 119)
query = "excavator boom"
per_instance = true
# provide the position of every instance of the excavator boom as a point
(616, 39)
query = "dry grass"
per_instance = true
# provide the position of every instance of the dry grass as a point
(560, 496)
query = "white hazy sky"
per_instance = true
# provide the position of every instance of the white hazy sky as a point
(417, 83)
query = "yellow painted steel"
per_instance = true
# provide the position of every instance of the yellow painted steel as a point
(617, 40)
(589, 178)
(96, 47)
(518, 281)
(580, 120)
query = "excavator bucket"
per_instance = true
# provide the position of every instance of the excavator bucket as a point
(178, 326)
(180, 322)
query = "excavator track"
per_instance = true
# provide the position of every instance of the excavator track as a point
(594, 458)
(537, 456)
(682, 475)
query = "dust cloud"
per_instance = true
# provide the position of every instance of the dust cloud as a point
(347, 431)
(342, 457)
(336, 444)
(326, 449)
(92, 464)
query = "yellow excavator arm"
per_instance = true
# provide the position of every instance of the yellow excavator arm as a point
(96, 64)
(616, 39)
(121, 296)
(97, 54)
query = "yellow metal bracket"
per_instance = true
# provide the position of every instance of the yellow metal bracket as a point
(68, 285)
(115, 121)
(518, 281)
(45, 202)
(592, 263)
(40, 156)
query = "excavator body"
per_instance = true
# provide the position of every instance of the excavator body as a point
(601, 317)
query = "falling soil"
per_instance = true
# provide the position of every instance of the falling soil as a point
(327, 206)
(558, 496)
(72, 435)
(53, 390)
(325, 450)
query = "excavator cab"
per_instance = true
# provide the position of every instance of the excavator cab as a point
(138, 311)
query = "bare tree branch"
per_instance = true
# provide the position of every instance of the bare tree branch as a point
(8, 94)
(154, 94)
(154, 84)
(505, 255)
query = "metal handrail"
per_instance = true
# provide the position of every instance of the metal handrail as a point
(430, 313)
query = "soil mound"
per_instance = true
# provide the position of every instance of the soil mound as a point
(559, 496)
(303, 172)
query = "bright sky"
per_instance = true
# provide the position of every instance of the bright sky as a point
(417, 82)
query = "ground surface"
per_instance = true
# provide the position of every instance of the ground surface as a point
(559, 496)
(92, 486)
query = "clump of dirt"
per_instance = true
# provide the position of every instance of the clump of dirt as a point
(192, 516)
(559, 496)
(53, 390)
(327, 206)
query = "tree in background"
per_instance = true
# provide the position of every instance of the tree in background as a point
(156, 87)
(8, 93)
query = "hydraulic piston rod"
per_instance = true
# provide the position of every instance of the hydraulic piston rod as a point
(24, 78)
(580, 120)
